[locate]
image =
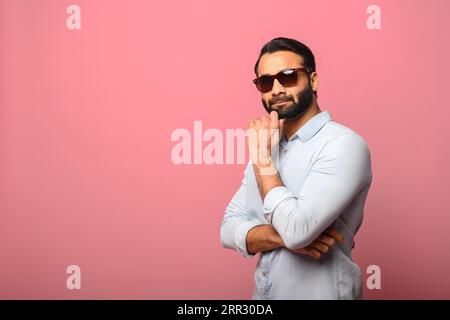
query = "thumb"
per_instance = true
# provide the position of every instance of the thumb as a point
(274, 123)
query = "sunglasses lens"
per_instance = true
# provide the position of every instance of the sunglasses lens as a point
(287, 78)
(264, 83)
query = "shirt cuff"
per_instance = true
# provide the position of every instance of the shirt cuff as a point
(240, 237)
(273, 199)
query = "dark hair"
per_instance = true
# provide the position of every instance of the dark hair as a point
(286, 44)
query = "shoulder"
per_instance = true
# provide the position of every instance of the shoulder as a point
(339, 139)
(344, 153)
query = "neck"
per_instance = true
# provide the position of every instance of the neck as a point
(291, 126)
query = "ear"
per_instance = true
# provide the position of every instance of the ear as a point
(314, 81)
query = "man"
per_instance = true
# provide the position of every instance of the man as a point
(302, 209)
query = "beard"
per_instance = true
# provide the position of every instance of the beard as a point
(297, 109)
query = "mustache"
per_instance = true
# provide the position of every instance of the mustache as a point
(280, 99)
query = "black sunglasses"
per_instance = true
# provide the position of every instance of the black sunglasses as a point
(287, 78)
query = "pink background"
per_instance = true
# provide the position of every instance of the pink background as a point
(86, 116)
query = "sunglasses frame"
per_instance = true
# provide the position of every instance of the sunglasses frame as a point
(275, 76)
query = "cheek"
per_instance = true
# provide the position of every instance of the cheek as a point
(294, 94)
(266, 97)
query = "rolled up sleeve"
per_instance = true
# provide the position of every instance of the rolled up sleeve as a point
(341, 170)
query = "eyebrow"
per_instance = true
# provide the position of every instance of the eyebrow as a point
(268, 74)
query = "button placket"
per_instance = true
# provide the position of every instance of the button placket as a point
(266, 282)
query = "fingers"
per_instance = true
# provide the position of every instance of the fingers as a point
(260, 139)
(334, 234)
(275, 123)
(315, 250)
(273, 117)
(265, 123)
(259, 123)
(326, 239)
(309, 251)
(264, 136)
(320, 246)
(281, 123)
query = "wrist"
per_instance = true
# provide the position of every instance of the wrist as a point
(275, 238)
(265, 170)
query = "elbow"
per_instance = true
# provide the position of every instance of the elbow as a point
(297, 232)
(224, 239)
(296, 241)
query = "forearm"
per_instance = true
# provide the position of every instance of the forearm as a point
(263, 238)
(266, 182)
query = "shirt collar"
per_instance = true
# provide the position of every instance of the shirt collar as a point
(312, 126)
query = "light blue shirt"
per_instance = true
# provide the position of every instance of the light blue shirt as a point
(326, 171)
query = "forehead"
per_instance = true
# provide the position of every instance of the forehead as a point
(272, 63)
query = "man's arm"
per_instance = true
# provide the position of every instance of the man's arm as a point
(265, 238)
(250, 237)
(235, 223)
(338, 174)
(266, 182)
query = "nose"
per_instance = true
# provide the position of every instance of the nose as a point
(277, 88)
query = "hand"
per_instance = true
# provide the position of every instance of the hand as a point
(263, 135)
(322, 244)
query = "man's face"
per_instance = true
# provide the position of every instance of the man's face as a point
(289, 102)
